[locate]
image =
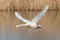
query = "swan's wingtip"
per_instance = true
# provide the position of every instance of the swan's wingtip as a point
(15, 12)
(47, 6)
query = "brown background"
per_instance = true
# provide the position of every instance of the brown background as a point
(29, 8)
(29, 4)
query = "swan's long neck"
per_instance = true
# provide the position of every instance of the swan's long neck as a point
(21, 25)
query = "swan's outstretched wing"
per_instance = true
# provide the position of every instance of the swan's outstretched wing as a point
(21, 18)
(39, 16)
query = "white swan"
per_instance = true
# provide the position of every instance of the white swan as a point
(33, 23)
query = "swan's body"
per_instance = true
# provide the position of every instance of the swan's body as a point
(33, 23)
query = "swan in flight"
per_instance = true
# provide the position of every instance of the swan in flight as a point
(33, 22)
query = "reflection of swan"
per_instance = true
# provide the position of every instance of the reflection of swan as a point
(33, 23)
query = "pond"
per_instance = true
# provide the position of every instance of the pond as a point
(50, 26)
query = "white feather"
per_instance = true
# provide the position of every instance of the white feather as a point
(31, 24)
(39, 16)
(21, 18)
